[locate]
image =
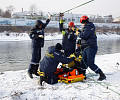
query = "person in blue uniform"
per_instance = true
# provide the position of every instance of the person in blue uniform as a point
(37, 36)
(89, 43)
(69, 37)
(50, 62)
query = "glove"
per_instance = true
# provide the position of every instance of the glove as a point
(73, 28)
(73, 58)
(40, 36)
(77, 33)
(50, 16)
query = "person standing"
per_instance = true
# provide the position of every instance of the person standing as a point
(69, 37)
(89, 43)
(37, 36)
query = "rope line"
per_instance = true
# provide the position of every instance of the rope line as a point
(75, 7)
(100, 83)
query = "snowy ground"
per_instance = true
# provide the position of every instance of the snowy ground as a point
(16, 85)
(25, 37)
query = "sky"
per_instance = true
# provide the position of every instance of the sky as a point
(96, 7)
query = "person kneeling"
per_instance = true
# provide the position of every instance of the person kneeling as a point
(50, 61)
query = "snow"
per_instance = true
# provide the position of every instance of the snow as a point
(25, 36)
(16, 85)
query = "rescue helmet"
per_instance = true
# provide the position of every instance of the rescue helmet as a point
(58, 46)
(71, 24)
(84, 19)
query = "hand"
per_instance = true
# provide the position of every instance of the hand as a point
(77, 33)
(50, 16)
(73, 28)
(73, 58)
(40, 36)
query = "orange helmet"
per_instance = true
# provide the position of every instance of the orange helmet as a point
(83, 18)
(71, 24)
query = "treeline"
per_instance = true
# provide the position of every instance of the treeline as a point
(25, 29)
(7, 13)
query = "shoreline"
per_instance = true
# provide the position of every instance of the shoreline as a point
(56, 36)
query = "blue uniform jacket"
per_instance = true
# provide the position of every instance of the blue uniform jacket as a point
(37, 36)
(51, 60)
(69, 38)
(88, 35)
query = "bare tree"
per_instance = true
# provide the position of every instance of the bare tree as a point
(10, 8)
(8, 12)
(1, 12)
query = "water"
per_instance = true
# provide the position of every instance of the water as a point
(17, 55)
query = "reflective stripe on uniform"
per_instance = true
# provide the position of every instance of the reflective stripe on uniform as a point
(34, 63)
(63, 32)
(96, 70)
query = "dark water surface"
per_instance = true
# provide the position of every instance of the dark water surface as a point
(16, 55)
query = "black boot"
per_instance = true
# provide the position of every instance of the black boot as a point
(30, 70)
(82, 72)
(102, 76)
(43, 78)
(36, 70)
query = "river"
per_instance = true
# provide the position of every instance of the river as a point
(16, 55)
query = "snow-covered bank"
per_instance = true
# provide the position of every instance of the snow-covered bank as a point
(107, 36)
(25, 36)
(16, 85)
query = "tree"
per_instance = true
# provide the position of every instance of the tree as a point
(10, 8)
(1, 12)
(8, 12)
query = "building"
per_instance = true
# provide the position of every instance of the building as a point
(68, 17)
(101, 19)
(116, 20)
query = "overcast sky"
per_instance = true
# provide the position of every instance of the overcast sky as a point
(100, 7)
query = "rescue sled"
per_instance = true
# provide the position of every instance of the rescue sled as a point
(70, 76)
(67, 77)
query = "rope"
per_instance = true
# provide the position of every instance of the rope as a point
(100, 83)
(75, 7)
(78, 6)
